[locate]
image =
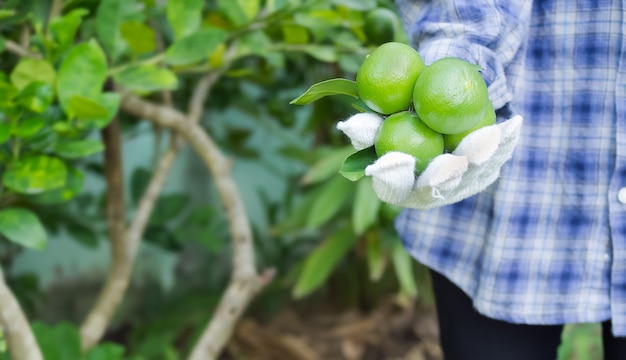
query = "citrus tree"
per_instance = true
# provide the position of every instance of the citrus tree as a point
(76, 75)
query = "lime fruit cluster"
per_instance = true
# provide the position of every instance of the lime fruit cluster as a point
(427, 110)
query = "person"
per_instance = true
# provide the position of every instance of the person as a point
(545, 244)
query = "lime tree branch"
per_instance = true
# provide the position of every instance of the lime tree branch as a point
(245, 283)
(19, 50)
(19, 336)
(55, 10)
(125, 241)
(119, 271)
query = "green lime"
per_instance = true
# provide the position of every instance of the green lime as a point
(450, 96)
(380, 25)
(405, 132)
(451, 141)
(386, 78)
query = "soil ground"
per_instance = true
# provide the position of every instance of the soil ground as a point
(387, 333)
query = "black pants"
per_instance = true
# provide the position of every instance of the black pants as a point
(468, 335)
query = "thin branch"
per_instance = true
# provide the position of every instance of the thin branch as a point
(55, 10)
(119, 272)
(239, 293)
(25, 36)
(150, 196)
(18, 333)
(17, 49)
(245, 282)
(121, 269)
(196, 103)
(114, 174)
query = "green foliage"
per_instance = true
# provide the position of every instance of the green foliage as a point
(30, 70)
(375, 255)
(195, 47)
(35, 175)
(146, 78)
(403, 266)
(22, 227)
(326, 167)
(140, 37)
(353, 167)
(63, 32)
(62, 341)
(81, 77)
(58, 342)
(110, 16)
(184, 16)
(310, 221)
(365, 208)
(328, 201)
(330, 204)
(581, 342)
(323, 260)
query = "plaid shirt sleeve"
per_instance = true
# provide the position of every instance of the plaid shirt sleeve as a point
(546, 243)
(489, 33)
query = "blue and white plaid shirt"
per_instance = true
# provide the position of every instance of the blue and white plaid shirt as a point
(545, 244)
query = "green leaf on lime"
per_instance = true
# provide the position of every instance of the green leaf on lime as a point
(326, 88)
(353, 167)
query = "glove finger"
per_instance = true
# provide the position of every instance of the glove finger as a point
(361, 129)
(441, 169)
(450, 184)
(480, 145)
(511, 128)
(510, 135)
(477, 178)
(393, 176)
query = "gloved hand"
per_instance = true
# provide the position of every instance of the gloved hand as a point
(449, 178)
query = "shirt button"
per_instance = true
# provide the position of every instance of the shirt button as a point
(621, 195)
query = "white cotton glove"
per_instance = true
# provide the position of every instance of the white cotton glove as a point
(449, 178)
